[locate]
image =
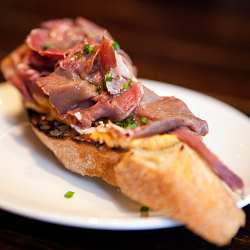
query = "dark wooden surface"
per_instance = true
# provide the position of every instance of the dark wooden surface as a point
(201, 45)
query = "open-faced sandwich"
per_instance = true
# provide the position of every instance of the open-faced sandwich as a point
(86, 105)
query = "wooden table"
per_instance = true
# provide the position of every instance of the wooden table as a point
(202, 46)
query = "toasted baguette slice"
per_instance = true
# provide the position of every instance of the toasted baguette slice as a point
(160, 172)
(178, 182)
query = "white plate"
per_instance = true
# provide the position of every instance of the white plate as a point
(33, 182)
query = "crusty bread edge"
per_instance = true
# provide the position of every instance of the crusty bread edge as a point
(83, 157)
(185, 188)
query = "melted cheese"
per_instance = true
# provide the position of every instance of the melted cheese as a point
(151, 143)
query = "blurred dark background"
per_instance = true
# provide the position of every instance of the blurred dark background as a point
(201, 45)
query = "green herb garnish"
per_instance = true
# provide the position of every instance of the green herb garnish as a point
(129, 81)
(108, 78)
(98, 90)
(69, 194)
(78, 54)
(128, 123)
(122, 124)
(125, 86)
(131, 125)
(86, 51)
(46, 47)
(104, 85)
(143, 120)
(144, 209)
(116, 45)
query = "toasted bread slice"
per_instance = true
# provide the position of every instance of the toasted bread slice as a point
(160, 172)
(178, 182)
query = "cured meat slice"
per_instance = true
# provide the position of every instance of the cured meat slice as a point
(78, 61)
(115, 108)
(55, 38)
(231, 179)
(66, 92)
(165, 114)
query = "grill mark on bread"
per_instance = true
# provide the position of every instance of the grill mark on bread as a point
(58, 130)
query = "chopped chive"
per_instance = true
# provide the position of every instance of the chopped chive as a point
(131, 125)
(108, 78)
(87, 49)
(78, 54)
(128, 123)
(143, 120)
(125, 86)
(131, 116)
(122, 124)
(144, 209)
(104, 85)
(98, 90)
(116, 45)
(46, 47)
(129, 81)
(69, 194)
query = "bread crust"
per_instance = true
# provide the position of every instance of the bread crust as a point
(171, 178)
(84, 158)
(182, 185)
